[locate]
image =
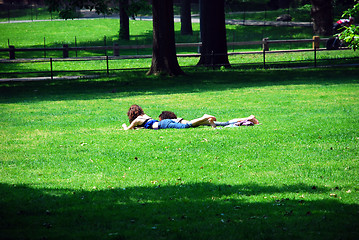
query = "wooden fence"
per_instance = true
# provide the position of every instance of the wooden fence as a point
(265, 45)
(65, 49)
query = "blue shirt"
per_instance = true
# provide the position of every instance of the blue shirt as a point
(149, 123)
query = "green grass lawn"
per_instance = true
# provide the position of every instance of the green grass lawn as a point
(68, 171)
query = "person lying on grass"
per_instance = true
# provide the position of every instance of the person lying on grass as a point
(138, 119)
(251, 120)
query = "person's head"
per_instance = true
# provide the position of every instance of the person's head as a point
(167, 115)
(134, 112)
(351, 19)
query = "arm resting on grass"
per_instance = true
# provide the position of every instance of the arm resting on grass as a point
(137, 122)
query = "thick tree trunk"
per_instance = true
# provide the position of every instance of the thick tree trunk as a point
(322, 16)
(124, 21)
(213, 34)
(186, 23)
(164, 58)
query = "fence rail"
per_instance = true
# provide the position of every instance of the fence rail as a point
(65, 49)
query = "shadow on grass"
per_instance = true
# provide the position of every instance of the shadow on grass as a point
(197, 80)
(183, 211)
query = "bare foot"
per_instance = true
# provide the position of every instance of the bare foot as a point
(253, 119)
(211, 122)
(210, 117)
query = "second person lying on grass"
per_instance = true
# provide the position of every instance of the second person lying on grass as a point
(138, 118)
(251, 120)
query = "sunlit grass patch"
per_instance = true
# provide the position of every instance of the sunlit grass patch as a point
(66, 163)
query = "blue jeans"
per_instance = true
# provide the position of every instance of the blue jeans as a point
(169, 123)
(222, 124)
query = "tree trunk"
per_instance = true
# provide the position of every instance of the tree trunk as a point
(186, 23)
(213, 34)
(124, 21)
(322, 16)
(164, 58)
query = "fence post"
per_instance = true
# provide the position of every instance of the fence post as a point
(65, 51)
(264, 58)
(265, 44)
(315, 57)
(116, 50)
(316, 44)
(12, 52)
(52, 74)
(108, 71)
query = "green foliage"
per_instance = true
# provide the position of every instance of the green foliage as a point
(306, 8)
(68, 9)
(351, 33)
(139, 6)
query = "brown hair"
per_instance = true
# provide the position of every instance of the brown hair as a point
(134, 112)
(167, 115)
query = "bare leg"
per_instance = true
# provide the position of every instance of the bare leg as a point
(251, 118)
(205, 120)
(184, 121)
